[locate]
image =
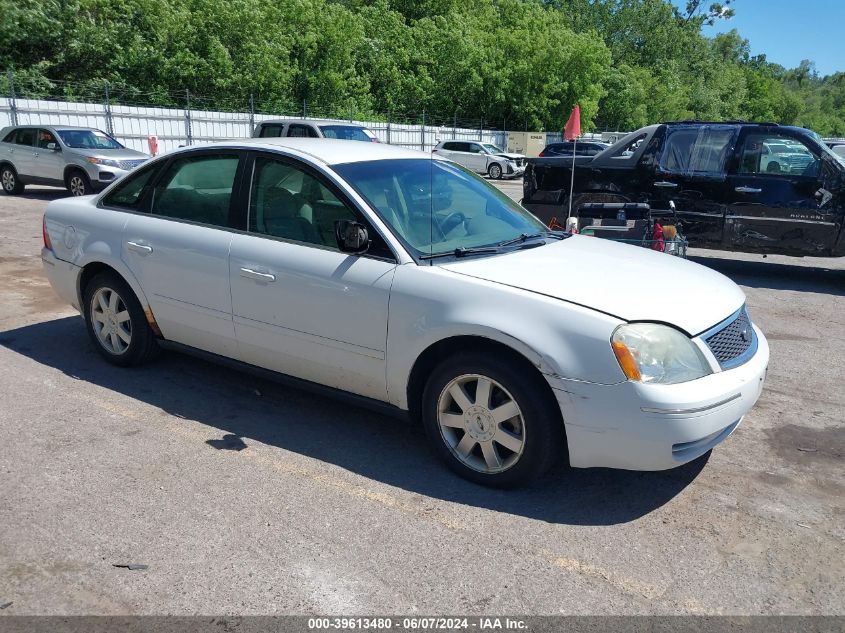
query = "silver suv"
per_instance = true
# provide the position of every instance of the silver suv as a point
(482, 158)
(82, 159)
(309, 128)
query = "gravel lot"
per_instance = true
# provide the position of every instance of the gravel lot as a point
(330, 509)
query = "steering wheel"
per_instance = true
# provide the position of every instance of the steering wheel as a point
(451, 221)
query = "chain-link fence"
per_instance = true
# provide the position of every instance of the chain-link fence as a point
(180, 117)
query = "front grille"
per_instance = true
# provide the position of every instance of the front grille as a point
(733, 344)
(130, 164)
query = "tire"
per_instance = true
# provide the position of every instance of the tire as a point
(78, 184)
(119, 330)
(495, 171)
(10, 182)
(475, 440)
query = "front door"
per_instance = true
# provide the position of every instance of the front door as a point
(179, 250)
(301, 307)
(691, 173)
(49, 162)
(778, 201)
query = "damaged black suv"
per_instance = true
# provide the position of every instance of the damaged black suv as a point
(752, 187)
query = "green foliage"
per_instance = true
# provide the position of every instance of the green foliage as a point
(519, 63)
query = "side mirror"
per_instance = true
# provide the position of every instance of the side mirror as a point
(54, 146)
(352, 237)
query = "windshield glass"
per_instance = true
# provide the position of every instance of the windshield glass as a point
(88, 139)
(467, 212)
(346, 132)
(826, 149)
(491, 148)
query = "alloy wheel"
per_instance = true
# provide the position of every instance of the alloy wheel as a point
(8, 179)
(481, 423)
(111, 321)
(77, 185)
(495, 172)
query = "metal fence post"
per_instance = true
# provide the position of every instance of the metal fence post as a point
(455, 125)
(188, 135)
(481, 130)
(422, 133)
(388, 126)
(13, 106)
(304, 109)
(251, 114)
(109, 122)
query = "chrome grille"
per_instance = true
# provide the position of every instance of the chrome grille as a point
(130, 164)
(734, 343)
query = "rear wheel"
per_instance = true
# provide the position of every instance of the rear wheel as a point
(116, 322)
(490, 422)
(495, 171)
(10, 182)
(78, 183)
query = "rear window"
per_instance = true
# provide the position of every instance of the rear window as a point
(347, 132)
(271, 131)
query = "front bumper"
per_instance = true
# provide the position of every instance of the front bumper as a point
(638, 426)
(515, 172)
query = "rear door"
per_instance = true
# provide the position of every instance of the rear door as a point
(777, 198)
(692, 173)
(177, 247)
(22, 152)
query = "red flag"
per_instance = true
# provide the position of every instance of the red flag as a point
(573, 125)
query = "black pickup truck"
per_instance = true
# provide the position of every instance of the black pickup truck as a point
(752, 187)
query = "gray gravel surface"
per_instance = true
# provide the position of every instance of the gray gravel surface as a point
(244, 497)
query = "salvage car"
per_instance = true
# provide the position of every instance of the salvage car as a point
(408, 283)
(568, 148)
(482, 158)
(309, 128)
(83, 160)
(751, 187)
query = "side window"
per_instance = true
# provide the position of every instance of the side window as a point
(452, 147)
(475, 148)
(197, 188)
(290, 203)
(26, 136)
(697, 150)
(10, 137)
(301, 131)
(461, 147)
(271, 131)
(129, 193)
(775, 154)
(630, 148)
(45, 138)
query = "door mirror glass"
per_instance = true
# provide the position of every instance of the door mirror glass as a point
(352, 237)
(54, 147)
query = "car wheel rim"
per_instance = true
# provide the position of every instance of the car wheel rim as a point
(481, 423)
(77, 186)
(8, 180)
(495, 172)
(111, 321)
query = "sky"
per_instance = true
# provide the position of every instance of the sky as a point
(787, 31)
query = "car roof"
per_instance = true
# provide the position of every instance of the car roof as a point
(51, 126)
(312, 122)
(327, 151)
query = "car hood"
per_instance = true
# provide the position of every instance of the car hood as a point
(114, 154)
(511, 156)
(628, 282)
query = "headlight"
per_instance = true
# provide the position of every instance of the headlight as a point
(103, 161)
(653, 353)
(511, 163)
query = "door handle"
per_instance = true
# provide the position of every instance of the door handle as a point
(747, 190)
(35, 154)
(249, 273)
(665, 184)
(143, 249)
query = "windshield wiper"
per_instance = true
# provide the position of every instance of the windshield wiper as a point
(462, 252)
(532, 236)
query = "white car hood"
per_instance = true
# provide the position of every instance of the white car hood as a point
(628, 282)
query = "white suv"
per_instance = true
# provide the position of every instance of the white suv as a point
(482, 158)
(412, 285)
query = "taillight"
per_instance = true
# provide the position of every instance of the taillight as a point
(542, 154)
(47, 243)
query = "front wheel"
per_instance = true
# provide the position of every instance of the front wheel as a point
(78, 184)
(10, 182)
(491, 422)
(495, 171)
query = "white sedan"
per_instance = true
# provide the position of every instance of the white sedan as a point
(407, 282)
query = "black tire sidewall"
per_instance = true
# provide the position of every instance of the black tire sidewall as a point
(142, 337)
(18, 188)
(544, 434)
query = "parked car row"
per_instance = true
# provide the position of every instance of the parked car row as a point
(407, 282)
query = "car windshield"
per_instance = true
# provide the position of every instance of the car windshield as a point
(826, 149)
(347, 132)
(491, 148)
(436, 207)
(88, 139)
